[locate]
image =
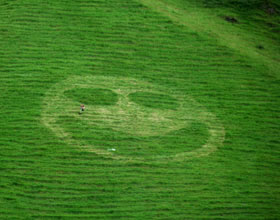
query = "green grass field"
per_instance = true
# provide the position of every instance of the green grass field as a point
(182, 109)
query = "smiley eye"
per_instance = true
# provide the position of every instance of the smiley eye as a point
(154, 100)
(92, 96)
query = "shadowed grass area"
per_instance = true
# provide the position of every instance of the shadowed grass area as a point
(92, 96)
(153, 100)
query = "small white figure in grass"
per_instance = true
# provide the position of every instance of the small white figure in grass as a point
(82, 108)
(112, 149)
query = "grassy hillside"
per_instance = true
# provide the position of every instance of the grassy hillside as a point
(181, 119)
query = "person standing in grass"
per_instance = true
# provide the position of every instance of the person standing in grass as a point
(82, 108)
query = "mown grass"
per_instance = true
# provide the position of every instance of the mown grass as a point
(43, 176)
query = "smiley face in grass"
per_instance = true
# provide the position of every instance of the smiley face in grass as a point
(132, 107)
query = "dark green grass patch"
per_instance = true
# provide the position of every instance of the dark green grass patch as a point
(92, 96)
(153, 100)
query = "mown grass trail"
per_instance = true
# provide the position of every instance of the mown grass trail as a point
(55, 163)
(241, 40)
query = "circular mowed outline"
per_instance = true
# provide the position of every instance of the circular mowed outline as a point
(54, 103)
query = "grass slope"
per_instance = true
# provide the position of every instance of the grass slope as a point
(177, 45)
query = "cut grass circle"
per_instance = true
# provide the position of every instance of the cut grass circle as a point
(142, 121)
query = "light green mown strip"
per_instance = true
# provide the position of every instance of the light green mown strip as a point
(201, 21)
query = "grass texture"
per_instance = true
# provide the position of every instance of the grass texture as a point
(182, 111)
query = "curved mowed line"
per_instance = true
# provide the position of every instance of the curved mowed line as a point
(124, 112)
